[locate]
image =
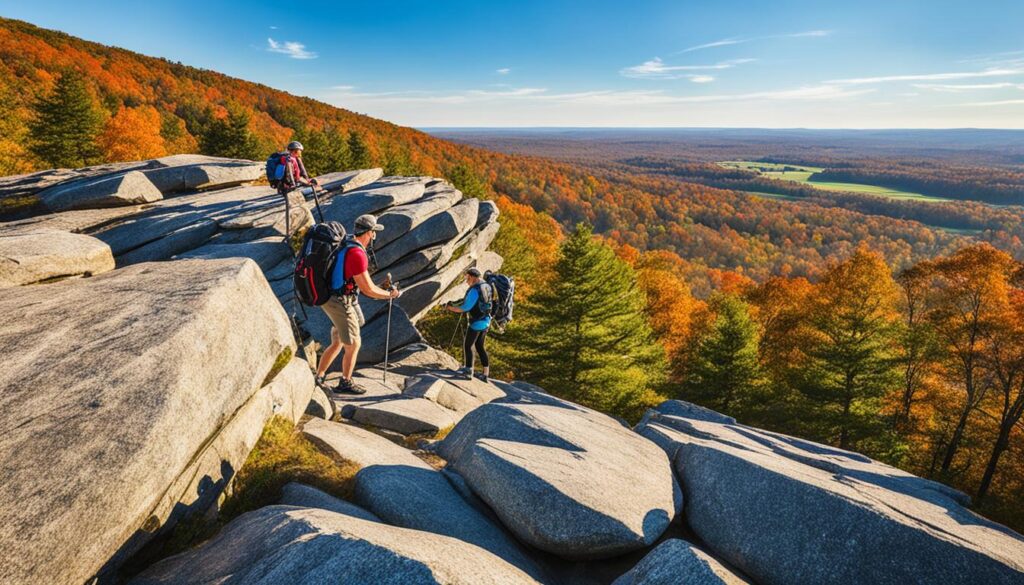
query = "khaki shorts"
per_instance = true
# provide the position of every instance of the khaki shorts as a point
(347, 317)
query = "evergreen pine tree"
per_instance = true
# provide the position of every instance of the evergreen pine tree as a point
(851, 347)
(230, 137)
(467, 181)
(359, 152)
(398, 161)
(725, 373)
(587, 339)
(66, 123)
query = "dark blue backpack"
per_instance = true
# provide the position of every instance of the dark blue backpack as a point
(277, 166)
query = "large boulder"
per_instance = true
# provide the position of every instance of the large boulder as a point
(449, 225)
(399, 220)
(345, 181)
(677, 561)
(188, 172)
(372, 198)
(304, 496)
(291, 390)
(565, 479)
(448, 281)
(266, 252)
(135, 416)
(39, 255)
(123, 189)
(404, 415)
(784, 510)
(402, 490)
(178, 214)
(452, 391)
(307, 546)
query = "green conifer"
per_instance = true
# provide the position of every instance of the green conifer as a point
(725, 374)
(66, 123)
(587, 339)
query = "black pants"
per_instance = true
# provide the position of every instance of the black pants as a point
(475, 339)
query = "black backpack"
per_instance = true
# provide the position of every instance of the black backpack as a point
(503, 292)
(312, 277)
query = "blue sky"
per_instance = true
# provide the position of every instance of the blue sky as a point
(729, 63)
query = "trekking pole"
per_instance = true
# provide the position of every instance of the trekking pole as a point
(387, 331)
(316, 199)
(455, 331)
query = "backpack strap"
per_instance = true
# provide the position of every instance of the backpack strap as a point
(350, 287)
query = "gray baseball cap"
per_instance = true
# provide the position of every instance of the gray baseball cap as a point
(473, 272)
(365, 223)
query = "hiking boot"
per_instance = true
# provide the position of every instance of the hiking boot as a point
(465, 373)
(347, 387)
(321, 383)
(482, 377)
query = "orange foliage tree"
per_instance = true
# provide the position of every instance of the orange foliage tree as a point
(132, 134)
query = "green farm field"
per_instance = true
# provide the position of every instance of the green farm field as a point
(802, 174)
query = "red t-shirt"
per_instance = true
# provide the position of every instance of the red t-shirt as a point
(355, 262)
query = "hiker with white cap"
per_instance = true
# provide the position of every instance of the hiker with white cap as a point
(349, 277)
(478, 306)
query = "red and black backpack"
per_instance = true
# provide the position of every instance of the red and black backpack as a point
(315, 263)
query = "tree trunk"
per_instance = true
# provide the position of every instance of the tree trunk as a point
(954, 442)
(844, 428)
(990, 470)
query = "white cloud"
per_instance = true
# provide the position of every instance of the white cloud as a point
(930, 76)
(738, 41)
(721, 43)
(959, 88)
(657, 69)
(810, 33)
(702, 79)
(597, 97)
(273, 27)
(996, 103)
(293, 49)
(502, 71)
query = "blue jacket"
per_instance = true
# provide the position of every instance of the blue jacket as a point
(471, 299)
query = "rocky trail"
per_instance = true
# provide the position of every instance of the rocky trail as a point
(148, 340)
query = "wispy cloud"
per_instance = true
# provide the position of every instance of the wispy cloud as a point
(721, 43)
(995, 103)
(1002, 72)
(739, 41)
(809, 33)
(503, 71)
(964, 87)
(600, 97)
(658, 69)
(293, 49)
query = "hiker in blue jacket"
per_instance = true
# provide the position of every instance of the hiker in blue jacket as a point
(478, 305)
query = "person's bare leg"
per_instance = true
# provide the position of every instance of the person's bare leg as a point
(330, 353)
(348, 361)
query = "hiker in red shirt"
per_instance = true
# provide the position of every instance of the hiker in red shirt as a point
(350, 277)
